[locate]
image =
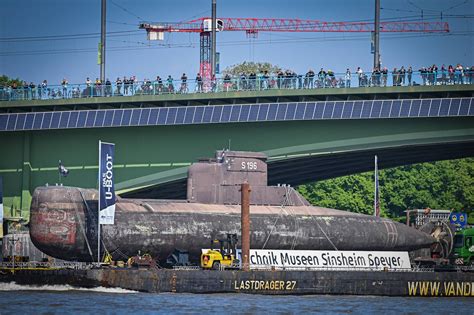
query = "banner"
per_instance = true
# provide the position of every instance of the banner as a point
(1, 200)
(327, 259)
(106, 183)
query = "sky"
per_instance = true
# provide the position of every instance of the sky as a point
(56, 39)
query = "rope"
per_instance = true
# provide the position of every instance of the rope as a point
(273, 228)
(116, 250)
(80, 221)
(280, 214)
(317, 223)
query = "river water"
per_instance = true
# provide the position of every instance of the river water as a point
(15, 299)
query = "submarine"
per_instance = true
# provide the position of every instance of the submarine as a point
(63, 220)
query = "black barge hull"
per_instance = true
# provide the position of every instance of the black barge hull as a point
(435, 284)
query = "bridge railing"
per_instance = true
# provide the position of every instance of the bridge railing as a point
(234, 84)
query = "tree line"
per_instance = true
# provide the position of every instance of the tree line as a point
(445, 185)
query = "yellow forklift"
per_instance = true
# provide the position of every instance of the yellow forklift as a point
(223, 257)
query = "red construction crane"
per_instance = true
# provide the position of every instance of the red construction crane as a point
(252, 26)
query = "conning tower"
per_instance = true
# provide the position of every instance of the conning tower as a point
(217, 181)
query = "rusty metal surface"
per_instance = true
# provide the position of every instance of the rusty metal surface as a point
(245, 225)
(286, 282)
(218, 180)
(159, 227)
(19, 244)
(64, 219)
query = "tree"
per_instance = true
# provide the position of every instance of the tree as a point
(439, 185)
(6, 81)
(249, 67)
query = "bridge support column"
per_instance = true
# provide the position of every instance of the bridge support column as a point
(25, 176)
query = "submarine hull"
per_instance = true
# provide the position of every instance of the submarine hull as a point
(63, 224)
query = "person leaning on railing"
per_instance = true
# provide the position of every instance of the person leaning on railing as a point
(471, 75)
(227, 82)
(169, 81)
(108, 87)
(360, 74)
(458, 73)
(409, 74)
(451, 74)
(32, 88)
(118, 84)
(184, 84)
(402, 73)
(88, 87)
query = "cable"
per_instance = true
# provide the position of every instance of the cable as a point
(78, 218)
(138, 32)
(126, 10)
(316, 221)
(65, 37)
(122, 23)
(387, 36)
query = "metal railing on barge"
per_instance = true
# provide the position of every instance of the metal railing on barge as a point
(85, 266)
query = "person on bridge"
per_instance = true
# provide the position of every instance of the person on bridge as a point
(213, 83)
(184, 84)
(458, 72)
(402, 75)
(64, 84)
(409, 74)
(451, 74)
(169, 81)
(32, 88)
(199, 83)
(444, 73)
(348, 77)
(266, 80)
(395, 77)
(227, 82)
(108, 87)
(88, 87)
(98, 87)
(360, 75)
(160, 84)
(322, 78)
(44, 88)
(118, 84)
(309, 79)
(126, 85)
(384, 76)
(471, 75)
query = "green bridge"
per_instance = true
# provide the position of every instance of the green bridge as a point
(308, 135)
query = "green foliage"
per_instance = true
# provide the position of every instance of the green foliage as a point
(249, 67)
(438, 185)
(6, 81)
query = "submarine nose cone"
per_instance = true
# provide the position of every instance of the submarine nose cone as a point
(423, 240)
(409, 238)
(57, 222)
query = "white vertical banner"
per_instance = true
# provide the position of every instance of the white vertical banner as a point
(106, 183)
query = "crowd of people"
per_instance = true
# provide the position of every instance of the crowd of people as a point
(431, 75)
